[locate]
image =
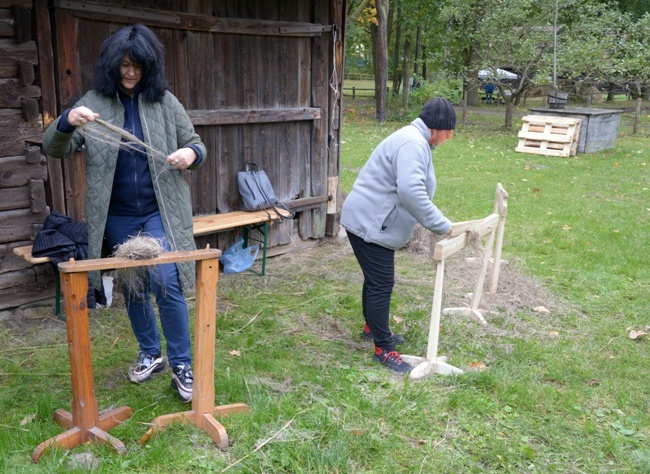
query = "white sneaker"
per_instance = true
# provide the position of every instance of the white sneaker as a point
(182, 381)
(145, 367)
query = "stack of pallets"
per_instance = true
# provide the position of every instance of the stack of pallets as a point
(547, 135)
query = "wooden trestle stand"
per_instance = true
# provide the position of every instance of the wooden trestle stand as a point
(459, 239)
(86, 423)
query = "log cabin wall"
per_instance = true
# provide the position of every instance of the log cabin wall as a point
(260, 80)
(23, 168)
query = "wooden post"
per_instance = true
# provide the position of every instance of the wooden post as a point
(500, 207)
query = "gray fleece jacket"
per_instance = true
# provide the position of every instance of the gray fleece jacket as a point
(394, 189)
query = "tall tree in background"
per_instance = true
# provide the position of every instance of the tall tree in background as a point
(381, 60)
(463, 37)
(372, 16)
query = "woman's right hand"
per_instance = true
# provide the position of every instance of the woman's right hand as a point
(79, 116)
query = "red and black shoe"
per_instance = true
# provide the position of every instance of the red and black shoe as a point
(392, 360)
(366, 335)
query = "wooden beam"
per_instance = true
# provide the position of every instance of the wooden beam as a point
(238, 116)
(22, 24)
(20, 224)
(76, 266)
(307, 203)
(12, 92)
(450, 246)
(188, 21)
(55, 188)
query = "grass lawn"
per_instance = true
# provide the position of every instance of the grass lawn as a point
(562, 391)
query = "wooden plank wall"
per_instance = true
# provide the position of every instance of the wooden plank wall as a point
(23, 169)
(254, 76)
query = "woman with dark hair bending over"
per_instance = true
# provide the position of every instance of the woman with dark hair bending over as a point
(132, 191)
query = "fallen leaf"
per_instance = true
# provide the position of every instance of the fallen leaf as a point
(592, 382)
(28, 419)
(554, 334)
(637, 334)
(398, 319)
(541, 309)
(477, 366)
(235, 352)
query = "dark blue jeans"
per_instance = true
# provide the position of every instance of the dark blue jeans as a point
(163, 282)
(378, 266)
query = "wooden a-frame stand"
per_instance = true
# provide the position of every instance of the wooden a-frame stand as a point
(460, 237)
(86, 423)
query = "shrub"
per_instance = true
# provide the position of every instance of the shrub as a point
(440, 86)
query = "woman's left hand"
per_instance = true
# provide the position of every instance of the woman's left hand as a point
(182, 158)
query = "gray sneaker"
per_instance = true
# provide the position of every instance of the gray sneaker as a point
(182, 381)
(145, 367)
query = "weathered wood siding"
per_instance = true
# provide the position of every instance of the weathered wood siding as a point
(23, 169)
(260, 80)
(255, 78)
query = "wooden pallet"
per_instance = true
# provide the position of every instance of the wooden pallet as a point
(548, 135)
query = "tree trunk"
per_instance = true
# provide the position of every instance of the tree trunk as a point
(406, 90)
(416, 60)
(637, 115)
(424, 62)
(396, 50)
(611, 92)
(381, 61)
(509, 101)
(471, 83)
(509, 107)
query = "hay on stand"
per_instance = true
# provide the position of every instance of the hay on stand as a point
(138, 247)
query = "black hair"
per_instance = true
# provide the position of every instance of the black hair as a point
(143, 48)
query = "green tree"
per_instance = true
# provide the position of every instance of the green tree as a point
(516, 35)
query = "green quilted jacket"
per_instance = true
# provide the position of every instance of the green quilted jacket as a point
(166, 128)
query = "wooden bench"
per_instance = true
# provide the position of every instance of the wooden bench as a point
(255, 226)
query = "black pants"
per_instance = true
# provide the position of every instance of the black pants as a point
(378, 266)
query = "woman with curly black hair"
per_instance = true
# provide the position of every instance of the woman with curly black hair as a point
(131, 190)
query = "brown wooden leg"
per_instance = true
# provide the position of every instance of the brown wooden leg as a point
(203, 409)
(83, 423)
(67, 440)
(64, 418)
(158, 423)
(100, 436)
(111, 418)
(215, 430)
